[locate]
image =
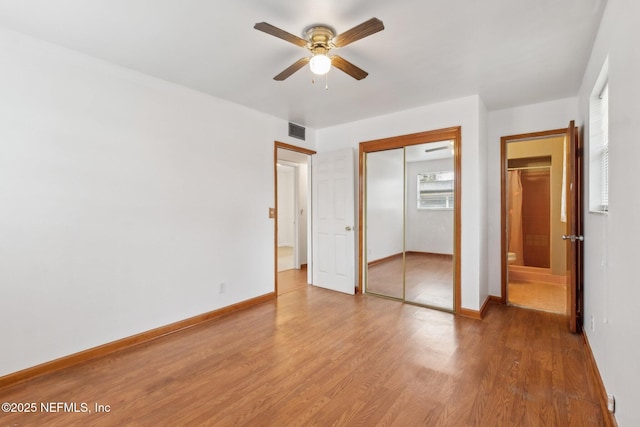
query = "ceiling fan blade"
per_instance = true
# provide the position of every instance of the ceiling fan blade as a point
(281, 34)
(343, 65)
(292, 69)
(358, 32)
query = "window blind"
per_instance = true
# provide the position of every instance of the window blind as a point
(604, 132)
(599, 150)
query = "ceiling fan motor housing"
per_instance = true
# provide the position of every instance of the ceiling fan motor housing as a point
(320, 36)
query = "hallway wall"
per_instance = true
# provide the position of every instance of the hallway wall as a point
(286, 220)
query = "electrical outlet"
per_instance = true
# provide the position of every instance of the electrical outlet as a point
(611, 403)
(223, 287)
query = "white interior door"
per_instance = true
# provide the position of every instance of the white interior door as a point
(333, 221)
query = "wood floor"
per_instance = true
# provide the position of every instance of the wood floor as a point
(317, 357)
(538, 296)
(285, 258)
(428, 279)
(292, 280)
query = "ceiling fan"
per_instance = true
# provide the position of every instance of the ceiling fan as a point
(319, 40)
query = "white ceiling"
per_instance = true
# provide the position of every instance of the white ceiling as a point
(511, 52)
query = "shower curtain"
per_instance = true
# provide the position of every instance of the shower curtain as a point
(515, 216)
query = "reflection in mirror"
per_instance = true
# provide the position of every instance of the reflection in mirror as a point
(435, 190)
(384, 222)
(429, 226)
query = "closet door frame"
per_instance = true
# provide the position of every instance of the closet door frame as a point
(452, 133)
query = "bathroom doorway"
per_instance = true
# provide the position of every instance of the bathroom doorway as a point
(536, 220)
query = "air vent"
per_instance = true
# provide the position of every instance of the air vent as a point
(296, 131)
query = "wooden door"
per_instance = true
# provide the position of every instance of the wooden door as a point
(574, 237)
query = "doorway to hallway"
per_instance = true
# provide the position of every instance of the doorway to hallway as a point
(292, 217)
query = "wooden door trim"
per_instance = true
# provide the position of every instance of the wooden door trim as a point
(451, 133)
(503, 197)
(285, 146)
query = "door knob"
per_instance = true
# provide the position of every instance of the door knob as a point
(572, 237)
(348, 228)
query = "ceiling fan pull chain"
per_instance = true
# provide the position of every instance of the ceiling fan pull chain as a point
(326, 81)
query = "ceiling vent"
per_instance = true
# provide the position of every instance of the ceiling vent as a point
(296, 131)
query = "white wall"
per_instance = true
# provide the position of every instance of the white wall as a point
(385, 201)
(465, 112)
(125, 202)
(286, 205)
(427, 230)
(483, 202)
(303, 229)
(611, 287)
(514, 121)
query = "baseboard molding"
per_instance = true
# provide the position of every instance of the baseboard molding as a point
(596, 379)
(496, 299)
(431, 254)
(472, 314)
(485, 306)
(385, 259)
(111, 347)
(477, 314)
(399, 255)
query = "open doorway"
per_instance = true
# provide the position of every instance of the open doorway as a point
(292, 220)
(534, 192)
(289, 251)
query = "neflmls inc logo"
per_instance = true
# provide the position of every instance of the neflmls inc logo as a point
(74, 407)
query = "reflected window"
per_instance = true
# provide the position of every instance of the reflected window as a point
(435, 190)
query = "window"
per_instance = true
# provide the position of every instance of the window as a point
(435, 190)
(599, 145)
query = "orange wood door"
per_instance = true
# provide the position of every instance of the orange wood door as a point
(574, 237)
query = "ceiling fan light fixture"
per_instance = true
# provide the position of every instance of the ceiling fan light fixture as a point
(319, 39)
(320, 64)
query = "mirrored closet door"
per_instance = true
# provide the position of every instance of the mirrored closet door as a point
(385, 223)
(409, 220)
